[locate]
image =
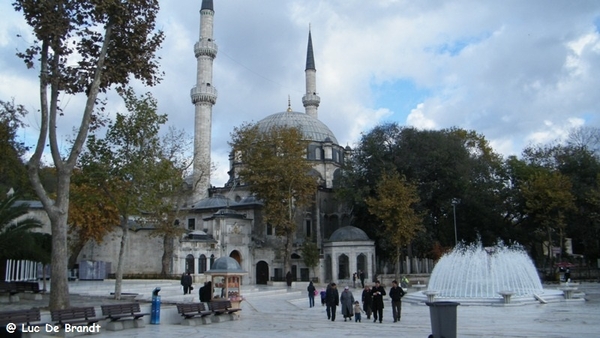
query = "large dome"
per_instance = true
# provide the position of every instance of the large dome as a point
(312, 128)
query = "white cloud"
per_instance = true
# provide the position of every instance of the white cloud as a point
(500, 68)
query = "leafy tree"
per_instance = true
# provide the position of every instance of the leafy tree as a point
(91, 215)
(13, 173)
(395, 205)
(593, 198)
(16, 237)
(548, 198)
(276, 171)
(444, 165)
(127, 165)
(577, 161)
(310, 254)
(81, 47)
(170, 192)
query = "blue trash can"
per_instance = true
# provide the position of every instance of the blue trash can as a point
(155, 313)
(443, 319)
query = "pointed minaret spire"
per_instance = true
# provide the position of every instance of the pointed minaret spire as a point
(311, 100)
(289, 104)
(204, 96)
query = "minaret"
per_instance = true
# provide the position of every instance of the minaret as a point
(311, 100)
(204, 96)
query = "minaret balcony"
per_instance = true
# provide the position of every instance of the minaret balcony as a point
(204, 93)
(311, 100)
(206, 47)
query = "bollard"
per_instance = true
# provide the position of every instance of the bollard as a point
(155, 313)
(443, 319)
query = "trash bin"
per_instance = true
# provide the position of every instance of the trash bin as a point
(155, 313)
(443, 319)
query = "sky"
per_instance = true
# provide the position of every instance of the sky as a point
(517, 72)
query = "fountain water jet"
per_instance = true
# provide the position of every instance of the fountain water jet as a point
(472, 274)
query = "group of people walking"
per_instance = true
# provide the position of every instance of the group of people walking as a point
(372, 301)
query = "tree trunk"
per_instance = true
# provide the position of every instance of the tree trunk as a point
(397, 275)
(168, 248)
(550, 246)
(119, 273)
(289, 242)
(59, 291)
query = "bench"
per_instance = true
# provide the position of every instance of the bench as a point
(191, 310)
(115, 312)
(9, 287)
(75, 315)
(20, 316)
(221, 306)
(28, 287)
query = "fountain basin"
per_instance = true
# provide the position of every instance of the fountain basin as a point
(474, 275)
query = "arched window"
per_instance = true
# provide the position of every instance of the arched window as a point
(212, 260)
(317, 153)
(202, 264)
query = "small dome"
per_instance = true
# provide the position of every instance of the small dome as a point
(348, 233)
(226, 264)
(312, 128)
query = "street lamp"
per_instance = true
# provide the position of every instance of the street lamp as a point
(455, 201)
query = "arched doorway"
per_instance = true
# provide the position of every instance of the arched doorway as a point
(189, 264)
(262, 272)
(343, 267)
(236, 255)
(361, 264)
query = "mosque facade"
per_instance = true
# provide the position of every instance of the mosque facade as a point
(227, 221)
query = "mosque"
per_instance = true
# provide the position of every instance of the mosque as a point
(227, 221)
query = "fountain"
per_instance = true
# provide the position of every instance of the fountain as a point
(472, 274)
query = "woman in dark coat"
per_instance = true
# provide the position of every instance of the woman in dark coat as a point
(347, 303)
(367, 300)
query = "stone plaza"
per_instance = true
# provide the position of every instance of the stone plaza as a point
(277, 310)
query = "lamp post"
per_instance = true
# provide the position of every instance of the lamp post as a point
(455, 201)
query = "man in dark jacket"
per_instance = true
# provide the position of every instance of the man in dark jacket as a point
(378, 292)
(332, 299)
(311, 294)
(186, 282)
(396, 294)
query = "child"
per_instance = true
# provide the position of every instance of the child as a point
(323, 294)
(357, 311)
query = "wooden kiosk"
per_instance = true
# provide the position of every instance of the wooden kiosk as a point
(226, 279)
